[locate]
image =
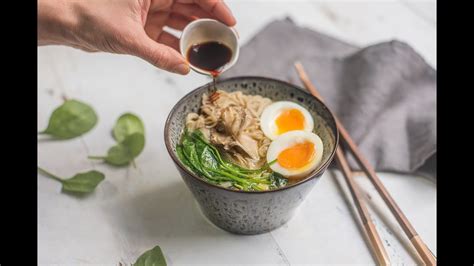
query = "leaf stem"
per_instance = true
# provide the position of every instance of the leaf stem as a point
(48, 174)
(96, 157)
(64, 97)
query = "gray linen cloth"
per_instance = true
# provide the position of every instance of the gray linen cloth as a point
(384, 94)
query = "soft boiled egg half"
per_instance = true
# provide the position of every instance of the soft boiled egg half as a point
(283, 116)
(297, 153)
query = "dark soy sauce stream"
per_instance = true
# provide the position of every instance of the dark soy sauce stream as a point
(210, 56)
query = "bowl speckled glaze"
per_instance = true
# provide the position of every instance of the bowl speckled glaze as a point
(244, 212)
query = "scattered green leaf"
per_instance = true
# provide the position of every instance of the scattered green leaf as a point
(127, 150)
(152, 257)
(126, 125)
(80, 183)
(124, 152)
(129, 132)
(72, 119)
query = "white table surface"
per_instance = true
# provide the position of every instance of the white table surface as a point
(134, 210)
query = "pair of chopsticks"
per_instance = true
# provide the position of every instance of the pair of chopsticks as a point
(377, 246)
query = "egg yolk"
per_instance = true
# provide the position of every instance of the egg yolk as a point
(288, 120)
(296, 156)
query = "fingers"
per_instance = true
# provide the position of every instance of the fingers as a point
(177, 21)
(161, 55)
(154, 28)
(215, 9)
(190, 10)
(218, 9)
(154, 24)
(160, 48)
(170, 40)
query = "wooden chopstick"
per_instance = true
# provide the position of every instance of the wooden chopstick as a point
(426, 255)
(374, 238)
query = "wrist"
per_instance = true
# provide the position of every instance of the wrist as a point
(56, 21)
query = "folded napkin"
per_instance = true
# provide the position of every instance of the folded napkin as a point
(384, 94)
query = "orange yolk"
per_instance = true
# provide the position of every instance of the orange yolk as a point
(296, 156)
(288, 120)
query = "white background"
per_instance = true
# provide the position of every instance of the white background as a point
(134, 210)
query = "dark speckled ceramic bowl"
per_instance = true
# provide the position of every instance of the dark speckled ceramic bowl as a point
(252, 212)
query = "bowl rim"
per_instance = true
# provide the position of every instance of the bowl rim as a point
(173, 156)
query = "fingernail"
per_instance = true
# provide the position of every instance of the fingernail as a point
(181, 69)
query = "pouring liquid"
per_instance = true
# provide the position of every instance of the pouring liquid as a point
(210, 56)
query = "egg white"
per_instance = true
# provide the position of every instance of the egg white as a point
(290, 139)
(271, 112)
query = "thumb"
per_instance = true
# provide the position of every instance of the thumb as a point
(160, 55)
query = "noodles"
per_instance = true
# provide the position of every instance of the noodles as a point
(230, 121)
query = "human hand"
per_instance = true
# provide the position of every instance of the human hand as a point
(132, 27)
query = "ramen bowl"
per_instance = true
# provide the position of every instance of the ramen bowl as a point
(251, 212)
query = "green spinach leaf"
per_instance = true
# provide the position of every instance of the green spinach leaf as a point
(80, 183)
(277, 180)
(189, 148)
(206, 161)
(152, 257)
(72, 119)
(124, 152)
(182, 157)
(126, 125)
